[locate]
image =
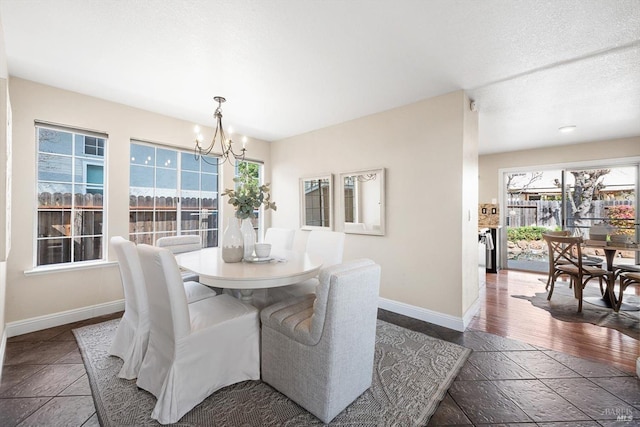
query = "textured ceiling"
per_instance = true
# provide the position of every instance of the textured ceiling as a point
(291, 66)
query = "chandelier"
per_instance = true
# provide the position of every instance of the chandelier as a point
(226, 144)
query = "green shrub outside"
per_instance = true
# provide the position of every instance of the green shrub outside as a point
(530, 232)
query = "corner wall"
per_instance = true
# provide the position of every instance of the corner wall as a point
(431, 198)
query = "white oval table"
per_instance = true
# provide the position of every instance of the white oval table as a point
(286, 268)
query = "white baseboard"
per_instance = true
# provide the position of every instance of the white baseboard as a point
(451, 322)
(62, 318)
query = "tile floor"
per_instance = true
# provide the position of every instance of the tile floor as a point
(504, 383)
(507, 383)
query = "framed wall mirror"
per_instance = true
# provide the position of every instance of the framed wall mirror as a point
(362, 201)
(316, 202)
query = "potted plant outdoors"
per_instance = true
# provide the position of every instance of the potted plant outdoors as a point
(246, 198)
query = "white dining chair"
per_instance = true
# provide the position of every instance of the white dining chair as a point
(329, 246)
(181, 244)
(194, 349)
(132, 335)
(281, 239)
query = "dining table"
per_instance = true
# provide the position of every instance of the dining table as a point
(610, 250)
(281, 269)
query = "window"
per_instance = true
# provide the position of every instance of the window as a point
(171, 193)
(93, 146)
(254, 170)
(70, 208)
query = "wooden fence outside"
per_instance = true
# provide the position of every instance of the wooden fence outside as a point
(55, 236)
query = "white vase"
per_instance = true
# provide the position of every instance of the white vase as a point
(232, 242)
(248, 237)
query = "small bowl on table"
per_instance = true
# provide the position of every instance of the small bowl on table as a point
(263, 250)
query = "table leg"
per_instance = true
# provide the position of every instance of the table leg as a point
(246, 295)
(610, 255)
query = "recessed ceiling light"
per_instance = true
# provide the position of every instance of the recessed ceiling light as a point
(567, 129)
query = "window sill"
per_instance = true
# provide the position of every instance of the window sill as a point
(48, 269)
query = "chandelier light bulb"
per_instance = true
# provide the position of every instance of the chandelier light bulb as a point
(567, 129)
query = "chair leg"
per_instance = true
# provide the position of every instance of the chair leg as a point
(617, 302)
(578, 291)
(579, 299)
(602, 290)
(551, 285)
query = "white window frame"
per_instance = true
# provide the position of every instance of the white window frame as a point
(75, 157)
(178, 230)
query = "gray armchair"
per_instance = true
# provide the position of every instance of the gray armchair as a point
(318, 349)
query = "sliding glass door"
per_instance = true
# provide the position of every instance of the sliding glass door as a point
(602, 199)
(574, 199)
(534, 204)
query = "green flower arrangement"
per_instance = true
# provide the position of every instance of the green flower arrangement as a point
(249, 196)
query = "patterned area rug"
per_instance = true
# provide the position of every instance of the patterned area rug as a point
(412, 373)
(564, 306)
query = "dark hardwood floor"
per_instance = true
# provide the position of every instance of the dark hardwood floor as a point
(516, 318)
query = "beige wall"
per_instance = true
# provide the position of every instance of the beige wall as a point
(5, 167)
(429, 150)
(53, 292)
(431, 195)
(490, 164)
(5, 196)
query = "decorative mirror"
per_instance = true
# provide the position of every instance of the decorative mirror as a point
(362, 209)
(316, 207)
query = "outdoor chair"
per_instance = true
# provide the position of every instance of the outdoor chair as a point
(586, 260)
(626, 279)
(566, 253)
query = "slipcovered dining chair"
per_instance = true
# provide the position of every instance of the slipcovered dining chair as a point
(329, 246)
(281, 239)
(181, 244)
(318, 349)
(132, 335)
(567, 253)
(194, 349)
